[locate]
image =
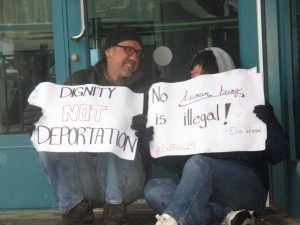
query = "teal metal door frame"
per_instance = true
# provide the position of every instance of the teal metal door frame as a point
(274, 90)
(287, 81)
(24, 184)
(66, 24)
(275, 56)
(248, 33)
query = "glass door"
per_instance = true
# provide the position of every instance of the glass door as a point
(26, 59)
(46, 40)
(172, 31)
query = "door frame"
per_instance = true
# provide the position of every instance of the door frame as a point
(65, 25)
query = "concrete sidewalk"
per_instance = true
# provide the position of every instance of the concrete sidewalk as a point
(140, 214)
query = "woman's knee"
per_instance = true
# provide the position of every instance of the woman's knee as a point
(157, 193)
(151, 189)
(197, 163)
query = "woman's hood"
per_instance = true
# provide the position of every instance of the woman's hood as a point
(224, 61)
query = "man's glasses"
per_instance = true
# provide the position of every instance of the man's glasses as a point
(130, 50)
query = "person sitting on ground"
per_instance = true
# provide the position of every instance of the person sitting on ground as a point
(214, 188)
(83, 181)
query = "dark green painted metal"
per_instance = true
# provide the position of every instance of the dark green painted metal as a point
(276, 51)
(294, 190)
(67, 23)
(288, 81)
(278, 187)
(248, 33)
(23, 183)
(60, 31)
(79, 47)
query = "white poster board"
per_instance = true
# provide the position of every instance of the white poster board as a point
(210, 113)
(86, 118)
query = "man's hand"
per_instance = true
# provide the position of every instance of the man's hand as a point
(139, 123)
(31, 115)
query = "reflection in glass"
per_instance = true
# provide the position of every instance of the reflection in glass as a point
(26, 56)
(183, 26)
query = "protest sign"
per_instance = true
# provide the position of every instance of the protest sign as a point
(210, 113)
(86, 118)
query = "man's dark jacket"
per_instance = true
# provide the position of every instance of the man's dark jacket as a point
(97, 75)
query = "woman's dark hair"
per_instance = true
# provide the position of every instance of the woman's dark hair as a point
(207, 60)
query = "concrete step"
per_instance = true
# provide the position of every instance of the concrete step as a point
(139, 212)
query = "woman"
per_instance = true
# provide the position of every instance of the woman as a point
(212, 188)
(210, 61)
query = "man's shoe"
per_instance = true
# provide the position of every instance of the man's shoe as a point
(80, 214)
(241, 217)
(115, 214)
(165, 219)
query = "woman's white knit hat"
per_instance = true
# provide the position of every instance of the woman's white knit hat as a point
(224, 60)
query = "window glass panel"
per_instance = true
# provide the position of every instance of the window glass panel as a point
(26, 56)
(184, 27)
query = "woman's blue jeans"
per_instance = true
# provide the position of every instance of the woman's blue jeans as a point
(98, 177)
(208, 189)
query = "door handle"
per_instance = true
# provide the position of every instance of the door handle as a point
(82, 19)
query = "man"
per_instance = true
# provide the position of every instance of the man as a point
(82, 181)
